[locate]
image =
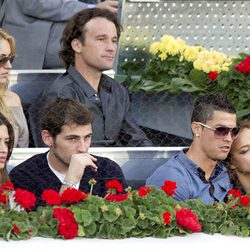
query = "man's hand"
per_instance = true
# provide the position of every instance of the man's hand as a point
(111, 5)
(77, 166)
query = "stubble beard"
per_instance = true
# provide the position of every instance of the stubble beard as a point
(57, 156)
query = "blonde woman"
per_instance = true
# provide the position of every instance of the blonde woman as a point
(10, 104)
(239, 167)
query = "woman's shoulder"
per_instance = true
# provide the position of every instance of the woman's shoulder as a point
(12, 99)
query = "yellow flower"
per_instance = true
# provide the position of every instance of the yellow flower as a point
(118, 211)
(154, 48)
(191, 52)
(104, 208)
(163, 56)
(142, 216)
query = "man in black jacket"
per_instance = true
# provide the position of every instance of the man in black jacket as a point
(66, 130)
(89, 45)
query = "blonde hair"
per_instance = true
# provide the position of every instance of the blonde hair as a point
(3, 87)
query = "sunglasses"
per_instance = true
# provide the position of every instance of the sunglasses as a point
(221, 132)
(5, 59)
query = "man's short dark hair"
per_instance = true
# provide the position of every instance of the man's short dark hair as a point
(75, 28)
(205, 106)
(64, 112)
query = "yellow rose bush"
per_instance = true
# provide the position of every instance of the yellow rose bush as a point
(177, 67)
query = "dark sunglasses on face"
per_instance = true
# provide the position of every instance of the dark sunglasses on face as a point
(221, 132)
(5, 59)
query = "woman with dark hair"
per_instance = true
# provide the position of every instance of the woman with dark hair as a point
(10, 104)
(6, 146)
(239, 159)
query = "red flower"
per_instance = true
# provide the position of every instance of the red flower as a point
(244, 200)
(71, 195)
(167, 218)
(169, 187)
(244, 66)
(7, 186)
(51, 197)
(188, 219)
(67, 224)
(212, 75)
(235, 193)
(16, 229)
(116, 197)
(63, 214)
(25, 198)
(142, 191)
(4, 198)
(233, 206)
(68, 230)
(114, 185)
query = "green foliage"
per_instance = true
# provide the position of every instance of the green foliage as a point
(174, 76)
(138, 216)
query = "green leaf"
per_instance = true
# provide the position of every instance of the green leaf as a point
(198, 77)
(242, 113)
(82, 216)
(179, 84)
(80, 232)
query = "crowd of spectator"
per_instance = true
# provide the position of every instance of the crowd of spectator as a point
(84, 105)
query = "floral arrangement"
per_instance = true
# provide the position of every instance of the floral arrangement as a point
(177, 67)
(148, 211)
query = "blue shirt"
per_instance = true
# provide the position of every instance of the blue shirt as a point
(190, 180)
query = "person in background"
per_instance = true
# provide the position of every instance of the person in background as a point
(89, 45)
(198, 170)
(239, 163)
(66, 130)
(37, 26)
(10, 104)
(6, 147)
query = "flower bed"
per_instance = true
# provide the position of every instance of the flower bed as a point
(148, 211)
(177, 67)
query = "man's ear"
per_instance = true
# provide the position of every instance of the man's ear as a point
(76, 45)
(47, 138)
(196, 129)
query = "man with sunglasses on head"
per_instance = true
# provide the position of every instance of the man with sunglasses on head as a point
(198, 170)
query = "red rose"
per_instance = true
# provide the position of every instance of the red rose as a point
(212, 75)
(244, 66)
(25, 198)
(244, 200)
(188, 219)
(71, 195)
(142, 191)
(169, 187)
(16, 229)
(167, 218)
(7, 186)
(235, 193)
(114, 185)
(116, 197)
(51, 197)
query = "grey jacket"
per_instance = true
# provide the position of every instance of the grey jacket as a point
(113, 124)
(33, 23)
